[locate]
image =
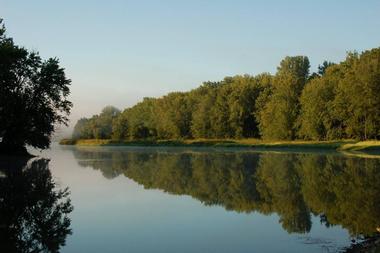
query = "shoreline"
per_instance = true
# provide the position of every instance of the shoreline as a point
(368, 245)
(255, 144)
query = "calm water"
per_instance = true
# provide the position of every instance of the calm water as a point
(194, 200)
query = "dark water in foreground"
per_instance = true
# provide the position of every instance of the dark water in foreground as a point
(188, 200)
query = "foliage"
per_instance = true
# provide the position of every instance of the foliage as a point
(278, 117)
(316, 117)
(339, 101)
(33, 97)
(98, 126)
(345, 101)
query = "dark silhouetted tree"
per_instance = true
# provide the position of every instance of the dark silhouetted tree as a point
(33, 97)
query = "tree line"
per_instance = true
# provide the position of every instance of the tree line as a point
(338, 101)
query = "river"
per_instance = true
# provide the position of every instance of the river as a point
(155, 199)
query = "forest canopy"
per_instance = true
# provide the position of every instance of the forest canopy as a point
(338, 101)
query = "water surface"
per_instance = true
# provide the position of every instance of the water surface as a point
(210, 200)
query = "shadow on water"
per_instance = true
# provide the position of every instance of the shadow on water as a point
(341, 190)
(33, 210)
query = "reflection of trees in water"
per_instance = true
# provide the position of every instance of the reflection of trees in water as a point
(33, 212)
(345, 189)
(341, 190)
(279, 185)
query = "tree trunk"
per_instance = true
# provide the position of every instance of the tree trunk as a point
(365, 127)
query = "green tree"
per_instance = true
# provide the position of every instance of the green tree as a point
(344, 101)
(141, 119)
(33, 97)
(103, 122)
(220, 111)
(174, 116)
(339, 101)
(242, 98)
(324, 66)
(120, 126)
(317, 120)
(82, 129)
(358, 95)
(278, 117)
(205, 100)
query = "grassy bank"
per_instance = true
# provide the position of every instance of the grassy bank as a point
(341, 145)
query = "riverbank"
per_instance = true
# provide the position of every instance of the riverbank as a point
(340, 145)
(369, 245)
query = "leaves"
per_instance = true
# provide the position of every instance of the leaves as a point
(340, 101)
(33, 96)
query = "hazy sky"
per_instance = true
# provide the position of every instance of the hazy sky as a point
(117, 52)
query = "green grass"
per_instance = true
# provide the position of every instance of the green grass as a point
(67, 142)
(361, 146)
(364, 149)
(341, 145)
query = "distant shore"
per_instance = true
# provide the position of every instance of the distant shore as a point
(339, 145)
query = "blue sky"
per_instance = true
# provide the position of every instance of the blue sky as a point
(117, 52)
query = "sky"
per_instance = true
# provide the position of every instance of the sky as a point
(117, 52)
